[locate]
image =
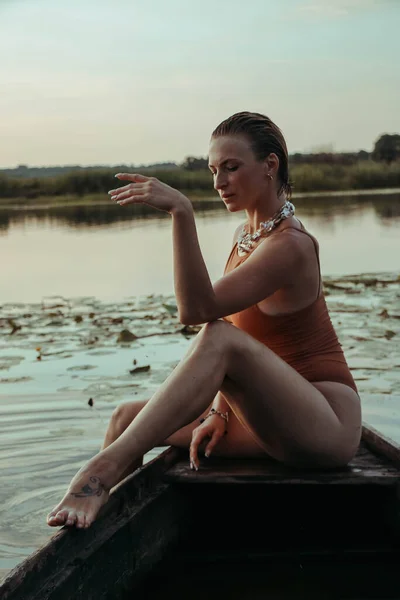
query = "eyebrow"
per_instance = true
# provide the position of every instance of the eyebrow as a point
(223, 162)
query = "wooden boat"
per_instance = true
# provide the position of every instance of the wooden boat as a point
(239, 527)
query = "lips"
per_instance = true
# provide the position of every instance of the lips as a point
(224, 196)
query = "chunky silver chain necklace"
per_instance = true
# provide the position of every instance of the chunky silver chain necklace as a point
(246, 240)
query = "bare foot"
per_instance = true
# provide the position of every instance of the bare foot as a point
(85, 496)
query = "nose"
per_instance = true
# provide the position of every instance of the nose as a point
(219, 181)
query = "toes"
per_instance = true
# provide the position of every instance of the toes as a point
(53, 513)
(69, 518)
(72, 516)
(61, 516)
(57, 517)
(51, 520)
(80, 520)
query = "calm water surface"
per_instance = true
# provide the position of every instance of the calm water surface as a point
(111, 253)
(47, 429)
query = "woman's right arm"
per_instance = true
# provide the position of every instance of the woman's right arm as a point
(220, 404)
(209, 432)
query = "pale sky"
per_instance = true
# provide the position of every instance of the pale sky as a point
(140, 81)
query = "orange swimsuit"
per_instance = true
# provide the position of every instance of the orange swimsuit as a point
(305, 339)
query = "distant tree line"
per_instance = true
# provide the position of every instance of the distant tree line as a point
(24, 171)
(386, 149)
(309, 172)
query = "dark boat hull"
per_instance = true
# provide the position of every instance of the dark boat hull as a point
(231, 516)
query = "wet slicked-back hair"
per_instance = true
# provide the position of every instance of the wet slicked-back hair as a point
(264, 136)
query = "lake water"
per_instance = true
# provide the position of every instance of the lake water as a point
(106, 259)
(109, 252)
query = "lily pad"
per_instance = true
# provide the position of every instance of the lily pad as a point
(15, 379)
(171, 308)
(191, 329)
(126, 336)
(139, 369)
(389, 334)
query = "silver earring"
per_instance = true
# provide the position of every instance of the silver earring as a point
(270, 176)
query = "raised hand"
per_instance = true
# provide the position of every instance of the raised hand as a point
(147, 190)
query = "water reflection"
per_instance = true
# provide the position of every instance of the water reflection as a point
(111, 252)
(324, 211)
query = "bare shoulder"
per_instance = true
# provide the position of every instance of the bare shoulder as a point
(301, 238)
(287, 240)
(236, 234)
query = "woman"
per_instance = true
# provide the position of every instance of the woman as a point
(266, 368)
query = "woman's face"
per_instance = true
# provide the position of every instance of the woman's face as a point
(239, 178)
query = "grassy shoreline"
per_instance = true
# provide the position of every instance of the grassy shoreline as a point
(91, 185)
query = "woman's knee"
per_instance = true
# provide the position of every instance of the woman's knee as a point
(215, 334)
(124, 414)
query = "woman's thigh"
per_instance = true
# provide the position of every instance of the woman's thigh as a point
(294, 420)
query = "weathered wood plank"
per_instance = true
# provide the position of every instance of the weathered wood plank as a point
(365, 469)
(381, 444)
(139, 523)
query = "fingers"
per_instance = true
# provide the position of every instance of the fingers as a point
(131, 193)
(130, 197)
(126, 189)
(197, 438)
(135, 177)
(212, 443)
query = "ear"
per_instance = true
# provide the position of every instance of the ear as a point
(271, 164)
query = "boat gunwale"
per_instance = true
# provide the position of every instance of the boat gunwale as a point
(380, 444)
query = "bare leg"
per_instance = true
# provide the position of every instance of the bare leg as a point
(120, 420)
(239, 443)
(294, 420)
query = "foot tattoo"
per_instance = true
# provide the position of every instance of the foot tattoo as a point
(88, 491)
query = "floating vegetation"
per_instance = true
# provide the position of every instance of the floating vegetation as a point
(126, 336)
(140, 369)
(15, 379)
(364, 310)
(190, 329)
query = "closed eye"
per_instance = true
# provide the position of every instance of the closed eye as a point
(229, 169)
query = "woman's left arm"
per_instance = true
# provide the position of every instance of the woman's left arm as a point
(274, 264)
(193, 289)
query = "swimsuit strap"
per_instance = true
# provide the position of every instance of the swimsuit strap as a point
(303, 230)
